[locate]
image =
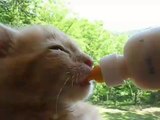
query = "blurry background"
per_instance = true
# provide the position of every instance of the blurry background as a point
(119, 15)
(101, 27)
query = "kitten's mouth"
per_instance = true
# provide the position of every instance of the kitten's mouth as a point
(83, 82)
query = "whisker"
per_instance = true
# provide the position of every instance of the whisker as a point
(67, 73)
(61, 89)
(73, 77)
(77, 77)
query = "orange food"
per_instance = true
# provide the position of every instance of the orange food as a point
(96, 75)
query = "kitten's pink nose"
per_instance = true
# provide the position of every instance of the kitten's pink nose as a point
(89, 62)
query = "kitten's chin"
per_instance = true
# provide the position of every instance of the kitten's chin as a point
(77, 93)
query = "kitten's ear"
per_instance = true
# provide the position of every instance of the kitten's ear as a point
(7, 36)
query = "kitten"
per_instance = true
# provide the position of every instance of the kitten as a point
(41, 74)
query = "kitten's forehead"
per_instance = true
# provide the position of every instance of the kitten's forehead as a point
(58, 37)
(41, 37)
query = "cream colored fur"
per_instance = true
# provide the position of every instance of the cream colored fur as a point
(41, 70)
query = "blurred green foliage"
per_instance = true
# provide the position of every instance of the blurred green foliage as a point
(91, 36)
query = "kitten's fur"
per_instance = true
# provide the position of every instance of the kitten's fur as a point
(40, 72)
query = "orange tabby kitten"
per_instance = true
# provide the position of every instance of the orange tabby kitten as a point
(41, 74)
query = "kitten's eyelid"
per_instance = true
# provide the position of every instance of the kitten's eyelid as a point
(58, 47)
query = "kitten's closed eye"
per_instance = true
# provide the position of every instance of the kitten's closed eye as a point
(58, 47)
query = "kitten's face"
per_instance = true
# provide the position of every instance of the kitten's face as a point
(42, 64)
